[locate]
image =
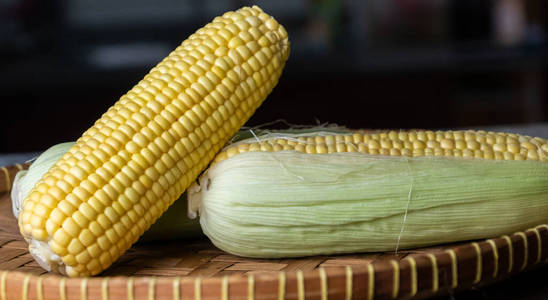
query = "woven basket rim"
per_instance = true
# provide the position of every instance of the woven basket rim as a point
(384, 264)
(458, 256)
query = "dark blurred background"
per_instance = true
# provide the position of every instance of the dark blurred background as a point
(363, 64)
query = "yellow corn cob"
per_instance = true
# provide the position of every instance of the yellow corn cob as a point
(144, 152)
(467, 144)
(320, 193)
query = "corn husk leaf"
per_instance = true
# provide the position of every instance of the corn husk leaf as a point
(290, 204)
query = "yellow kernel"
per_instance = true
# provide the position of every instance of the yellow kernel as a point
(86, 237)
(529, 146)
(40, 210)
(397, 144)
(467, 153)
(298, 147)
(80, 219)
(310, 149)
(500, 139)
(418, 144)
(71, 227)
(406, 152)
(373, 144)
(490, 139)
(342, 147)
(40, 234)
(432, 144)
(105, 258)
(395, 152)
(277, 147)
(66, 207)
(96, 229)
(266, 147)
(83, 258)
(511, 139)
(94, 263)
(418, 152)
(318, 140)
(271, 24)
(472, 144)
(499, 155)
(412, 136)
(469, 136)
(75, 247)
(348, 139)
(460, 144)
(51, 227)
(37, 222)
(386, 143)
(235, 42)
(499, 147)
(447, 144)
(532, 155)
(230, 152)
(321, 148)
(254, 147)
(58, 249)
(486, 147)
(57, 215)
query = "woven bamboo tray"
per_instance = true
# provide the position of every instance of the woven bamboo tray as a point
(197, 270)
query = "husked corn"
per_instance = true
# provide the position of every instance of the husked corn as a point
(140, 156)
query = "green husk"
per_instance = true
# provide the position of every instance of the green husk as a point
(290, 204)
(26, 179)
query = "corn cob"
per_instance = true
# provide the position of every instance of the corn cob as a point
(96, 201)
(315, 194)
